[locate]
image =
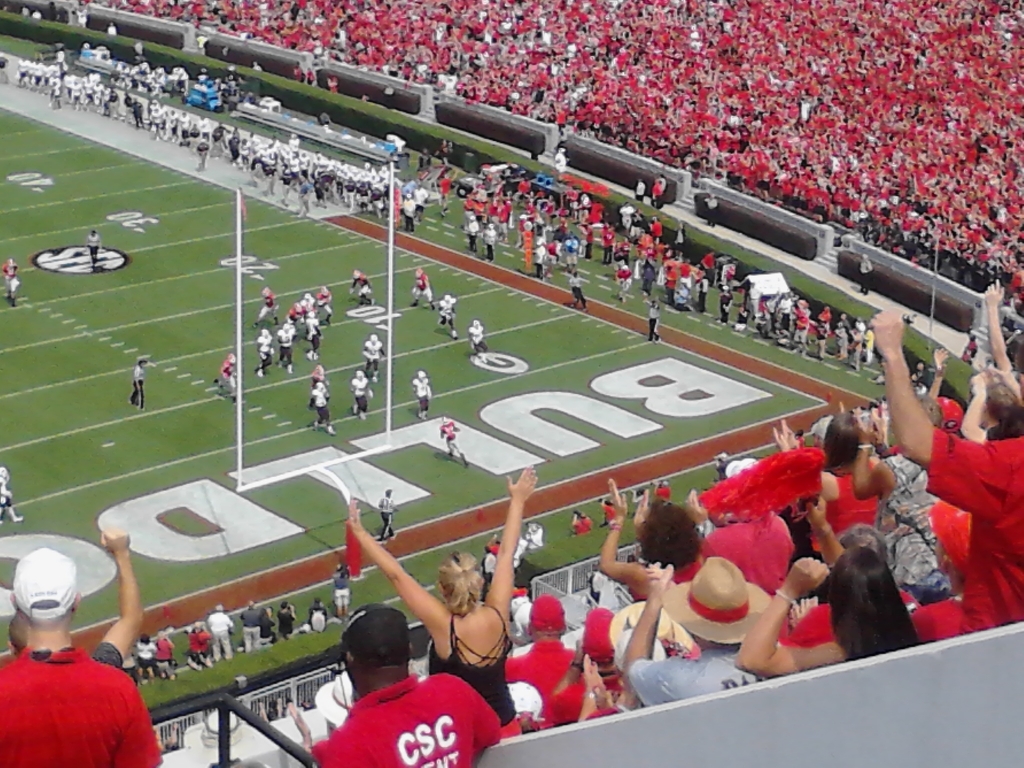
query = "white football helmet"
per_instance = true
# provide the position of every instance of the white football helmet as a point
(373, 338)
(231, 358)
(421, 374)
(360, 375)
(5, 475)
(447, 297)
(476, 324)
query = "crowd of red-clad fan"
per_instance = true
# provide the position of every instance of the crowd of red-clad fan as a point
(876, 530)
(901, 118)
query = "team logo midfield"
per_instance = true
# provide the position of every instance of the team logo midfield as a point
(75, 260)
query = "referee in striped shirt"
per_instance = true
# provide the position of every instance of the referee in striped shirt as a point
(138, 397)
(387, 517)
(93, 243)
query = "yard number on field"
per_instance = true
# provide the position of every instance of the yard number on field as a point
(136, 221)
(31, 180)
(373, 315)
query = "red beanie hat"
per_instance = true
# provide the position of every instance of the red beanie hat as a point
(547, 615)
(597, 636)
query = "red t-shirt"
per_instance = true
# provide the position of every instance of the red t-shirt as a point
(815, 628)
(582, 526)
(199, 642)
(413, 724)
(938, 621)
(984, 479)
(542, 667)
(761, 549)
(72, 711)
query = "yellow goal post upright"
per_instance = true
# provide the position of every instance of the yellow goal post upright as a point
(244, 484)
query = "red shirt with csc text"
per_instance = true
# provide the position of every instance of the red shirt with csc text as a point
(438, 723)
(72, 711)
(986, 480)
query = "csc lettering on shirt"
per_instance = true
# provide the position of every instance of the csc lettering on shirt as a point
(418, 747)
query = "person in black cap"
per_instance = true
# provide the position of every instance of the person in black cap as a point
(398, 720)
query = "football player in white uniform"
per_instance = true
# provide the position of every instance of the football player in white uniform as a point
(446, 314)
(285, 342)
(360, 387)
(373, 351)
(421, 289)
(319, 396)
(423, 392)
(313, 336)
(7, 497)
(11, 281)
(476, 339)
(265, 347)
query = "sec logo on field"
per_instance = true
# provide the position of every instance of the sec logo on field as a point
(75, 260)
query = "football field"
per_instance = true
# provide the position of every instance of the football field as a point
(570, 393)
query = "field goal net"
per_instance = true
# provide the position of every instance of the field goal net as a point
(247, 480)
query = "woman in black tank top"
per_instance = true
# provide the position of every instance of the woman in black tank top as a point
(469, 636)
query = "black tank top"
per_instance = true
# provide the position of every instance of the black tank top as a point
(489, 681)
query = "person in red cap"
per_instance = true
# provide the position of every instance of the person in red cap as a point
(547, 661)
(952, 414)
(596, 645)
(663, 491)
(944, 619)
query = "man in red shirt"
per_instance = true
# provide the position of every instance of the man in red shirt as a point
(59, 707)
(548, 659)
(981, 479)
(398, 721)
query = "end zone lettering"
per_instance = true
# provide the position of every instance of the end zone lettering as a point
(75, 260)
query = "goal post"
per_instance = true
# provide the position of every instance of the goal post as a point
(242, 483)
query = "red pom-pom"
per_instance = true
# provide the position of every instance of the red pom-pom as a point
(769, 486)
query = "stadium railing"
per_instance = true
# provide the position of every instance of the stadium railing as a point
(300, 690)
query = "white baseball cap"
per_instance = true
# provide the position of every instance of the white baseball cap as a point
(45, 584)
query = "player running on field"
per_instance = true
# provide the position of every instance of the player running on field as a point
(7, 497)
(269, 308)
(421, 388)
(318, 401)
(226, 380)
(373, 351)
(313, 336)
(448, 430)
(446, 314)
(625, 279)
(11, 281)
(421, 289)
(323, 302)
(361, 288)
(265, 348)
(360, 387)
(297, 314)
(476, 339)
(319, 376)
(285, 343)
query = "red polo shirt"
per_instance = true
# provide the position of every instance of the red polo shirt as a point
(72, 711)
(985, 480)
(440, 722)
(938, 621)
(542, 667)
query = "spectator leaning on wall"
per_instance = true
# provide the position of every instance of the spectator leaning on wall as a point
(398, 720)
(59, 707)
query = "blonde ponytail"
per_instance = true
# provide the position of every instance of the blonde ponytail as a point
(460, 583)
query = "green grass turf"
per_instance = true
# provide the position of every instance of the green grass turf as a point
(74, 445)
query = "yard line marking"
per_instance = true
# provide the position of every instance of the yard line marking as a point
(96, 197)
(192, 313)
(292, 433)
(284, 424)
(172, 368)
(30, 130)
(108, 445)
(80, 227)
(68, 321)
(211, 389)
(256, 408)
(183, 376)
(81, 327)
(103, 338)
(55, 315)
(207, 400)
(270, 416)
(117, 344)
(198, 382)
(130, 350)
(4, 158)
(170, 278)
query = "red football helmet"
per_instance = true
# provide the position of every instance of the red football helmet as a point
(952, 414)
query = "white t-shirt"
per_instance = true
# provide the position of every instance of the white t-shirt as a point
(219, 623)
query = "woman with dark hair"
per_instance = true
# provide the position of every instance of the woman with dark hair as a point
(868, 616)
(665, 532)
(841, 445)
